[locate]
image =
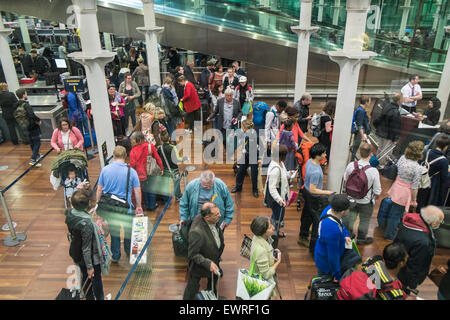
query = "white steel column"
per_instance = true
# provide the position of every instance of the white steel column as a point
(405, 16)
(6, 58)
(150, 30)
(94, 59)
(303, 30)
(436, 14)
(25, 35)
(444, 85)
(350, 59)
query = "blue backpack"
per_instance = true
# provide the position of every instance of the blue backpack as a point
(359, 108)
(259, 113)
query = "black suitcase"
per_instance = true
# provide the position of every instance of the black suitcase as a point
(74, 294)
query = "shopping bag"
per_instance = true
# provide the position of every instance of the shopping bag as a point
(138, 239)
(251, 286)
(292, 196)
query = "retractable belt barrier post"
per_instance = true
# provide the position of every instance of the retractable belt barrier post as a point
(149, 239)
(14, 238)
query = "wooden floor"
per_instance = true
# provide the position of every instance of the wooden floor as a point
(40, 266)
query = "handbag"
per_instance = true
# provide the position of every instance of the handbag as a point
(153, 169)
(251, 286)
(246, 108)
(268, 199)
(110, 203)
(246, 246)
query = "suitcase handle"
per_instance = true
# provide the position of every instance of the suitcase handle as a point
(82, 289)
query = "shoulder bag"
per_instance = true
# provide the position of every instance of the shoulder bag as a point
(110, 203)
(153, 169)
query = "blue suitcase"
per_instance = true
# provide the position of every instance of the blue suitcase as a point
(87, 139)
(383, 212)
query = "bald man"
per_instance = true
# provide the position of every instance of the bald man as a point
(416, 233)
(206, 244)
(388, 125)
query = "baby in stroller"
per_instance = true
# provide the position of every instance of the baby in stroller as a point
(73, 183)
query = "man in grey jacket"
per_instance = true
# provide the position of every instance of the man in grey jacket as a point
(83, 247)
(206, 244)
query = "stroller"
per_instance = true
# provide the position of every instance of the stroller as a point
(63, 164)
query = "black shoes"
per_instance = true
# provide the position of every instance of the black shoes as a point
(255, 194)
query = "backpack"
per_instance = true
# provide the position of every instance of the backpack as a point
(170, 107)
(356, 285)
(180, 239)
(425, 181)
(387, 288)
(154, 97)
(315, 125)
(322, 288)
(357, 185)
(359, 108)
(260, 110)
(20, 114)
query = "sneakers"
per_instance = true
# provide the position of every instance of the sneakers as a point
(367, 240)
(187, 131)
(303, 242)
(32, 162)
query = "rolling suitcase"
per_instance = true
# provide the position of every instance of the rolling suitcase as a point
(74, 294)
(209, 294)
(322, 288)
(383, 212)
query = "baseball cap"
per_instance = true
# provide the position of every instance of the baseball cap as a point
(341, 202)
(243, 79)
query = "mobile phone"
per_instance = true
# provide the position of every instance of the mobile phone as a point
(276, 254)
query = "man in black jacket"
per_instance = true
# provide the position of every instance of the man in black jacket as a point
(189, 74)
(206, 244)
(302, 106)
(417, 235)
(228, 111)
(206, 75)
(84, 249)
(8, 103)
(34, 123)
(388, 125)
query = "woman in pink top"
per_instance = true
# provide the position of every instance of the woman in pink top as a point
(403, 191)
(116, 105)
(65, 137)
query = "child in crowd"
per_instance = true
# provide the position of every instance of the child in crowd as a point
(73, 183)
(287, 139)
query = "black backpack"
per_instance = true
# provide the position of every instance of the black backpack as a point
(75, 225)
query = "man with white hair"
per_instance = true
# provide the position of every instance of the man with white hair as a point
(417, 235)
(227, 112)
(205, 189)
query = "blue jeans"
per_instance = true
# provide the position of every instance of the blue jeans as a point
(276, 211)
(96, 290)
(35, 143)
(115, 225)
(393, 219)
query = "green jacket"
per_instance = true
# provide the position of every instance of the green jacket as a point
(137, 92)
(223, 200)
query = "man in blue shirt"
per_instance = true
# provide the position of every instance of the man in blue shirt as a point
(330, 252)
(113, 180)
(360, 125)
(313, 194)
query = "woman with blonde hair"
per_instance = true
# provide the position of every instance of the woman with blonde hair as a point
(145, 120)
(403, 191)
(250, 143)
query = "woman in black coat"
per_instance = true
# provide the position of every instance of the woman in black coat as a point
(432, 112)
(8, 102)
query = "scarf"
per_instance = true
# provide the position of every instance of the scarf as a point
(102, 245)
